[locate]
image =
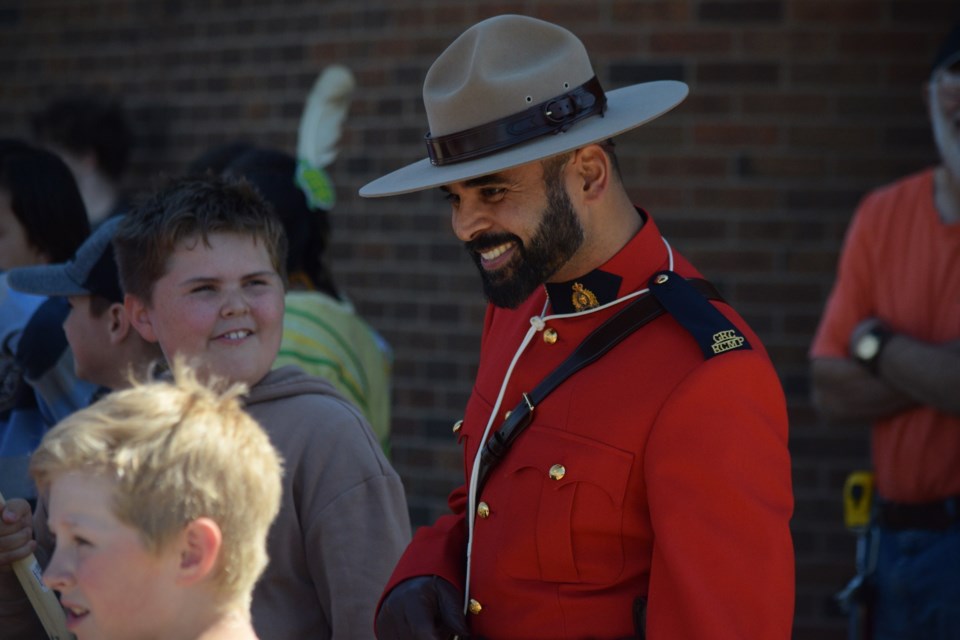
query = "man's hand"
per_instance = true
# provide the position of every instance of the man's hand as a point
(422, 608)
(16, 532)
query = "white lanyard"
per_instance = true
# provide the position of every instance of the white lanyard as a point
(537, 324)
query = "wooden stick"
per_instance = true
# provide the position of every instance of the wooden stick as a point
(44, 600)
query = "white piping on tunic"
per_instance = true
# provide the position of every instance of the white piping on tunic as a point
(537, 324)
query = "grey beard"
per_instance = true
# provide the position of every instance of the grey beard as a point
(946, 138)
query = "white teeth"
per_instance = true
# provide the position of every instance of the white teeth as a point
(496, 252)
(77, 611)
(236, 335)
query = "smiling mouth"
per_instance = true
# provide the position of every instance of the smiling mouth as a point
(239, 334)
(74, 614)
(494, 257)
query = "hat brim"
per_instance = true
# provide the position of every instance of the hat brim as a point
(627, 108)
(45, 280)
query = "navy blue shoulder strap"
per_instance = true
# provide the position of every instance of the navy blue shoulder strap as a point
(711, 329)
(641, 311)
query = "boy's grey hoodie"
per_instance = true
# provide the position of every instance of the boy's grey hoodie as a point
(343, 521)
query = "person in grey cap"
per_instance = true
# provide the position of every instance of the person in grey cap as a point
(106, 348)
(887, 352)
(625, 444)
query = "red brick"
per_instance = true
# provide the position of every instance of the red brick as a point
(663, 41)
(831, 12)
(649, 12)
(736, 135)
(784, 104)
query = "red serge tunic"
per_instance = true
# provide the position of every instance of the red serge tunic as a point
(652, 473)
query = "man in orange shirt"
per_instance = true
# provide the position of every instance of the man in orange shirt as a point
(646, 493)
(888, 352)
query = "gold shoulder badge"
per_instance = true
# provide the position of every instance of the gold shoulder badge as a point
(583, 298)
(726, 340)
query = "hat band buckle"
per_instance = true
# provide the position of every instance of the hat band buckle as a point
(552, 116)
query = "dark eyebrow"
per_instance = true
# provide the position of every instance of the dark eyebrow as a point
(212, 279)
(481, 181)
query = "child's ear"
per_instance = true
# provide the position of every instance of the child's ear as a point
(199, 549)
(139, 316)
(118, 325)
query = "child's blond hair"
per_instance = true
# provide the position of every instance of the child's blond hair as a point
(178, 450)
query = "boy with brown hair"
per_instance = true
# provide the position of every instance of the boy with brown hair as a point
(159, 531)
(201, 264)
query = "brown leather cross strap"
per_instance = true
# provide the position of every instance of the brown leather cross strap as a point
(551, 116)
(641, 311)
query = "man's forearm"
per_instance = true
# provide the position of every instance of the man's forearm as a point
(845, 392)
(928, 373)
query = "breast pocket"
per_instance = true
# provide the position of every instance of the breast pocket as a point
(562, 501)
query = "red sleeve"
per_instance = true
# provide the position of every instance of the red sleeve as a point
(718, 473)
(440, 549)
(850, 300)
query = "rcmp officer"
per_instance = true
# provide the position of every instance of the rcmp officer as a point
(626, 464)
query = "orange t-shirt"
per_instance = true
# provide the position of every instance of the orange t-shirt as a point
(901, 263)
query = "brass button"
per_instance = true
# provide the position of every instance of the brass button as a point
(549, 336)
(483, 510)
(457, 426)
(474, 607)
(557, 472)
(662, 278)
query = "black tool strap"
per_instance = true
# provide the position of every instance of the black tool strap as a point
(638, 313)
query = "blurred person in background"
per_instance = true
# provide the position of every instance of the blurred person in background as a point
(93, 136)
(42, 220)
(887, 352)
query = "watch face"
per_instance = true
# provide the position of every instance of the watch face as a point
(867, 346)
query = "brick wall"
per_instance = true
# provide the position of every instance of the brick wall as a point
(797, 107)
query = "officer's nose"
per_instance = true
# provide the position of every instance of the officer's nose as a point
(470, 220)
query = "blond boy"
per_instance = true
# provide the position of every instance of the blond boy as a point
(160, 532)
(201, 263)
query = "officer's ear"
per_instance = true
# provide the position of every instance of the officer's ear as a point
(593, 170)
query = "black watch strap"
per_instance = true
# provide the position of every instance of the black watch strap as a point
(870, 345)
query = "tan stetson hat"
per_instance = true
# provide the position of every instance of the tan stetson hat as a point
(511, 90)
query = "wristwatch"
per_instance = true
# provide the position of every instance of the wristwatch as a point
(868, 346)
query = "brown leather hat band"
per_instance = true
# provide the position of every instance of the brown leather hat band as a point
(552, 116)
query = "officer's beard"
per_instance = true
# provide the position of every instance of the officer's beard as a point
(557, 238)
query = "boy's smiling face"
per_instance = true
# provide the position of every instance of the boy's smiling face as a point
(221, 305)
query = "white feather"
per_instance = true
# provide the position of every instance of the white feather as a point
(323, 115)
